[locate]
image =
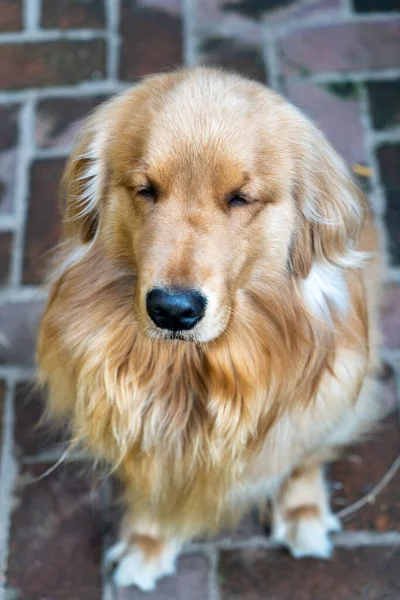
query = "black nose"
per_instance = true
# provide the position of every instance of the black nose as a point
(175, 309)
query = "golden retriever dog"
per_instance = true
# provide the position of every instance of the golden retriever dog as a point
(211, 329)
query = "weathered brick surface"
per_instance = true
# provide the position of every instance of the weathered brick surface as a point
(361, 574)
(43, 223)
(51, 63)
(56, 535)
(57, 526)
(58, 120)
(10, 15)
(68, 14)
(151, 39)
(342, 47)
(5, 257)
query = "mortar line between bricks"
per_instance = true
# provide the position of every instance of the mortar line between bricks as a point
(388, 136)
(7, 222)
(24, 153)
(377, 195)
(49, 153)
(31, 12)
(85, 88)
(113, 38)
(189, 36)
(271, 58)
(347, 7)
(52, 35)
(23, 294)
(393, 274)
(17, 373)
(211, 553)
(358, 76)
(8, 474)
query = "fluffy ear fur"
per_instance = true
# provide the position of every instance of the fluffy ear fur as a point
(331, 208)
(84, 181)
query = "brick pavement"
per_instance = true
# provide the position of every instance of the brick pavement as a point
(339, 60)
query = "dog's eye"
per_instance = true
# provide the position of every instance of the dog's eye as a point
(237, 199)
(149, 192)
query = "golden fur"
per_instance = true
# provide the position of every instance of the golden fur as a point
(278, 373)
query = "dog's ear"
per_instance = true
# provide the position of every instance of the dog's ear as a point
(84, 182)
(331, 208)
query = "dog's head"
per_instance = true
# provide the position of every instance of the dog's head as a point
(202, 183)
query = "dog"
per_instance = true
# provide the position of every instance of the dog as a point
(211, 331)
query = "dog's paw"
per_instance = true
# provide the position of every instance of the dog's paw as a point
(134, 565)
(305, 532)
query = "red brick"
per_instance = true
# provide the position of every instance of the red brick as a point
(353, 574)
(391, 318)
(18, 328)
(151, 39)
(66, 14)
(51, 63)
(43, 222)
(363, 467)
(10, 15)
(8, 155)
(189, 583)
(342, 47)
(56, 536)
(336, 111)
(240, 58)
(5, 257)
(58, 120)
(31, 434)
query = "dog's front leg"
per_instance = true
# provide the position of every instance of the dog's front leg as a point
(143, 555)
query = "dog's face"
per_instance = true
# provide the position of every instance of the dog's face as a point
(201, 183)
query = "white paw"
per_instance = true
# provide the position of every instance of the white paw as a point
(307, 536)
(135, 568)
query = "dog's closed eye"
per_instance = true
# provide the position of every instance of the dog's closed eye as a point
(148, 192)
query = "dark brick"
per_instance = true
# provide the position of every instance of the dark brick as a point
(359, 574)
(151, 39)
(31, 434)
(368, 6)
(385, 103)
(392, 219)
(43, 223)
(66, 14)
(189, 583)
(236, 57)
(5, 257)
(18, 330)
(51, 63)
(389, 160)
(391, 317)
(10, 15)
(363, 468)
(58, 120)
(8, 155)
(56, 536)
(342, 47)
(335, 109)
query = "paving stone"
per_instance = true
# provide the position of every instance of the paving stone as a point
(10, 15)
(356, 574)
(385, 103)
(342, 47)
(43, 225)
(5, 257)
(152, 39)
(361, 469)
(44, 64)
(66, 14)
(32, 435)
(18, 330)
(56, 535)
(8, 156)
(335, 109)
(59, 120)
(189, 583)
(236, 57)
